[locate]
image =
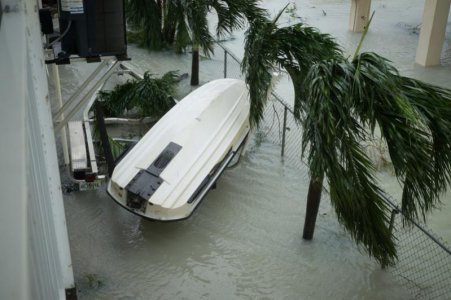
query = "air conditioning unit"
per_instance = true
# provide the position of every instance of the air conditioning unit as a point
(92, 28)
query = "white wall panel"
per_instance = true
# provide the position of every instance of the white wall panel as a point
(34, 249)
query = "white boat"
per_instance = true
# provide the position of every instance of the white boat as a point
(169, 171)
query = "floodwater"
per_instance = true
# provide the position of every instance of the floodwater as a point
(244, 241)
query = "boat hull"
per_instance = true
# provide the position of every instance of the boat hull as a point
(170, 170)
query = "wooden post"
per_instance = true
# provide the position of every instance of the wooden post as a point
(104, 137)
(432, 34)
(359, 15)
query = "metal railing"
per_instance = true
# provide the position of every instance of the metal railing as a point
(424, 260)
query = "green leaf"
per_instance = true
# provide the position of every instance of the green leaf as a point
(151, 96)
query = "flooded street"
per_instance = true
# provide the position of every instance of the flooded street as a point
(244, 241)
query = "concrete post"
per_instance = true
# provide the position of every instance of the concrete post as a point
(359, 15)
(432, 34)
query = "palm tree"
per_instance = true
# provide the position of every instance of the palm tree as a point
(340, 102)
(177, 23)
(150, 96)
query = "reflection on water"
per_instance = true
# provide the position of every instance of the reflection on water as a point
(244, 241)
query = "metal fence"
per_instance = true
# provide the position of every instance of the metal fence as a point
(424, 265)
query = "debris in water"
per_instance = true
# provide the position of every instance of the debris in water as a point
(68, 187)
(93, 280)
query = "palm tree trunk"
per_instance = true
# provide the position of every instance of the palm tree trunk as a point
(313, 200)
(195, 66)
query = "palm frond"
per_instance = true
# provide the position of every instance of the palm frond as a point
(171, 11)
(414, 120)
(331, 141)
(233, 14)
(115, 102)
(151, 96)
(116, 148)
(295, 48)
(182, 35)
(362, 38)
(198, 23)
(257, 66)
(229, 16)
(300, 46)
(427, 180)
(145, 17)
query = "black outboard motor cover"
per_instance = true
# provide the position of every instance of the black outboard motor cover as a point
(146, 182)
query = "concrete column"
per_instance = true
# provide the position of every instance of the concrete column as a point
(432, 34)
(360, 14)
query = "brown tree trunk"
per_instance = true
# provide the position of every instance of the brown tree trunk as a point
(313, 200)
(195, 66)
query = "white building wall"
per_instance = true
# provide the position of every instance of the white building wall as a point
(13, 204)
(35, 260)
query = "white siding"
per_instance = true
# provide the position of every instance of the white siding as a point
(35, 259)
